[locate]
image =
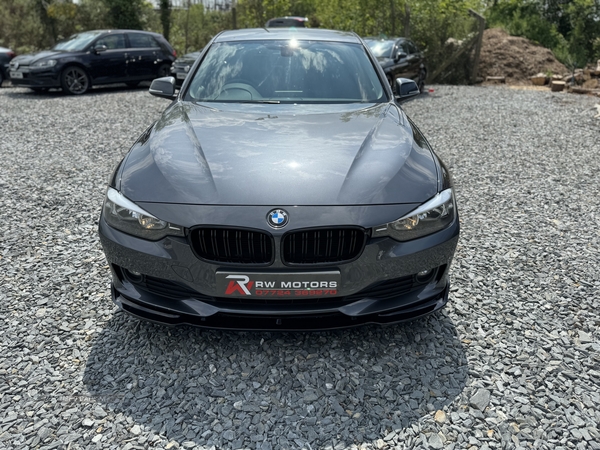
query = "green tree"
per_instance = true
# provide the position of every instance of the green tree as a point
(125, 14)
(91, 15)
(584, 18)
(21, 26)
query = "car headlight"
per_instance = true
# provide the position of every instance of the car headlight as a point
(44, 63)
(124, 215)
(432, 216)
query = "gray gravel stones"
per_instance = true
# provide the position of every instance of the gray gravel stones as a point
(513, 362)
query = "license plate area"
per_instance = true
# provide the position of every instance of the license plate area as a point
(16, 75)
(181, 75)
(278, 285)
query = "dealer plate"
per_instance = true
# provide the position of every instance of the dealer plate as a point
(16, 75)
(278, 285)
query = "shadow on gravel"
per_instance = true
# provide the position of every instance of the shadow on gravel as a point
(271, 390)
(28, 94)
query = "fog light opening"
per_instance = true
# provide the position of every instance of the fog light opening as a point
(133, 276)
(424, 276)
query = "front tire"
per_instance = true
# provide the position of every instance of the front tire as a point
(74, 80)
(163, 71)
(421, 81)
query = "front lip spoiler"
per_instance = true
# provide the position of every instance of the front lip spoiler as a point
(301, 322)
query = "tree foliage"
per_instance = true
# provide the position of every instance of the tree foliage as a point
(570, 27)
(126, 14)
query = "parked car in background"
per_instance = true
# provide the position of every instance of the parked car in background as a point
(95, 57)
(399, 57)
(277, 192)
(6, 54)
(286, 22)
(182, 65)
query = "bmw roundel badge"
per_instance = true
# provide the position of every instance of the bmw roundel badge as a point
(277, 218)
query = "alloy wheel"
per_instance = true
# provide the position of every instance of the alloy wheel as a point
(75, 80)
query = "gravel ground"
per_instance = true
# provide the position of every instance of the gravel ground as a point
(512, 362)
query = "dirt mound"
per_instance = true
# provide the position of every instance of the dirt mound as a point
(515, 58)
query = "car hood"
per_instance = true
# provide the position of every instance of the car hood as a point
(32, 58)
(279, 155)
(189, 58)
(384, 61)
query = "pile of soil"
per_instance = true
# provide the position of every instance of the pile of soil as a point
(515, 58)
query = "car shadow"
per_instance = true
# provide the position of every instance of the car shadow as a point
(236, 388)
(422, 96)
(26, 93)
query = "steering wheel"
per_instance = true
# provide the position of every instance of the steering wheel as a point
(238, 89)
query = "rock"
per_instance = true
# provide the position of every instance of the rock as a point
(310, 396)
(136, 430)
(229, 435)
(87, 423)
(435, 441)
(440, 416)
(99, 412)
(480, 400)
(585, 338)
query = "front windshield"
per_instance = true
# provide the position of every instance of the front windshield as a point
(77, 42)
(286, 71)
(381, 49)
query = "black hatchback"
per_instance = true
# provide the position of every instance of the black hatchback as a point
(93, 58)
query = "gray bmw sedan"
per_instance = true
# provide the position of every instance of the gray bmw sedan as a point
(283, 188)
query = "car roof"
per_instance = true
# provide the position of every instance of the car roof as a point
(287, 21)
(118, 31)
(316, 34)
(381, 39)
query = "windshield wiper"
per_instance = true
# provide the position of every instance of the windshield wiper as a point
(273, 102)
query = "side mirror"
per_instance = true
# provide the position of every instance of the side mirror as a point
(406, 88)
(163, 87)
(99, 49)
(400, 55)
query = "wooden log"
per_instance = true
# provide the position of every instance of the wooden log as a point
(539, 80)
(557, 86)
(582, 90)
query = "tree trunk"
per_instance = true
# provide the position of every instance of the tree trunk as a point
(406, 19)
(165, 17)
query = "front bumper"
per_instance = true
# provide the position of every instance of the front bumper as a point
(180, 74)
(165, 282)
(49, 78)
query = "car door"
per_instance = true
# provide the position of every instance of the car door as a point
(414, 59)
(143, 56)
(400, 67)
(108, 59)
